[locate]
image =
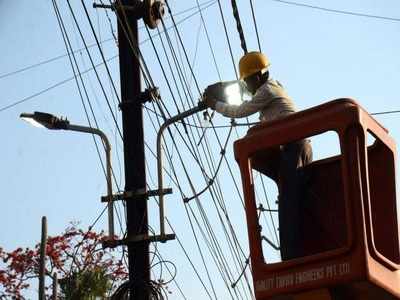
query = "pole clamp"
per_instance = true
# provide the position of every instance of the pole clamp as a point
(149, 94)
(140, 238)
(137, 195)
(151, 11)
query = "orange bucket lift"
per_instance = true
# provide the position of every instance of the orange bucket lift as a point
(354, 252)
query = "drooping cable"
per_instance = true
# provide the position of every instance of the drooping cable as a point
(239, 25)
(209, 41)
(204, 5)
(227, 38)
(100, 50)
(62, 82)
(94, 69)
(77, 73)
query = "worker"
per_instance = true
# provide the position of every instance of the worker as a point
(272, 102)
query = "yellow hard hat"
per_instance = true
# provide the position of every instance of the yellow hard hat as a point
(251, 63)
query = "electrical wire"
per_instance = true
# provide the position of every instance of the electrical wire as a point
(58, 57)
(211, 181)
(181, 42)
(76, 75)
(90, 105)
(178, 152)
(227, 38)
(209, 41)
(255, 25)
(74, 65)
(177, 238)
(49, 60)
(385, 112)
(94, 68)
(167, 4)
(351, 13)
(192, 74)
(111, 26)
(100, 50)
(62, 82)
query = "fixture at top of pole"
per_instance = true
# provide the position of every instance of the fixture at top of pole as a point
(45, 120)
(154, 11)
(49, 121)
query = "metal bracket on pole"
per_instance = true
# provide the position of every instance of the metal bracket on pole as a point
(160, 192)
(152, 11)
(107, 6)
(137, 195)
(149, 94)
(263, 209)
(138, 239)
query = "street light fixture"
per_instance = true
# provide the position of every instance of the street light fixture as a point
(230, 92)
(49, 121)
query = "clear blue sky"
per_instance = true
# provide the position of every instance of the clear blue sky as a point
(317, 55)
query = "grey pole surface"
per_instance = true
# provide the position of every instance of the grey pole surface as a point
(42, 261)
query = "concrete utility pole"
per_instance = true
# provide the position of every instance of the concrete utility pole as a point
(134, 154)
(135, 173)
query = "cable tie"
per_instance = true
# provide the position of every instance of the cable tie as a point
(222, 152)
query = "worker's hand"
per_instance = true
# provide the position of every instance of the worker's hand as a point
(209, 102)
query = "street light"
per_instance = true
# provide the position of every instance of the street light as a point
(230, 92)
(45, 120)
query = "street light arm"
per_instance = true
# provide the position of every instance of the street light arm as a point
(107, 145)
(49, 121)
(96, 131)
(164, 126)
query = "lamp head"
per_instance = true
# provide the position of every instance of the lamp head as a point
(230, 92)
(45, 120)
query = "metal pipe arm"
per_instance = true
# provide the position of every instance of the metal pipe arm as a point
(200, 107)
(107, 145)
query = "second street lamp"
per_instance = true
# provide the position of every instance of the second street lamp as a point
(49, 121)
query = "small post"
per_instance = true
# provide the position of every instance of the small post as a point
(55, 286)
(42, 262)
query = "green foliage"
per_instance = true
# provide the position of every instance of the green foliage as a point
(86, 285)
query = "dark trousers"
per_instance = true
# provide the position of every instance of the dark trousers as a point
(284, 166)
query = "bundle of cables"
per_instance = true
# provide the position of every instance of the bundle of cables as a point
(156, 291)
